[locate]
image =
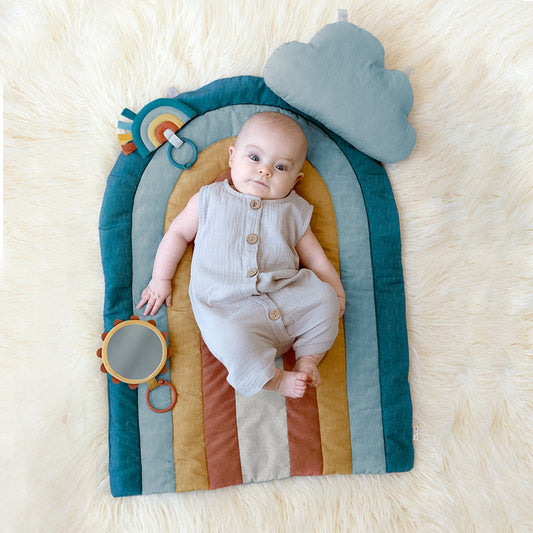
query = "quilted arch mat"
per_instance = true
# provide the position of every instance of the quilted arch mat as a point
(358, 421)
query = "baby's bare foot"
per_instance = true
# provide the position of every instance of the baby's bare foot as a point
(309, 365)
(290, 384)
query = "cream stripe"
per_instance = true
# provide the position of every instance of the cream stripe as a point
(263, 435)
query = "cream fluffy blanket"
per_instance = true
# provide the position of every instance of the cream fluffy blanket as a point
(466, 210)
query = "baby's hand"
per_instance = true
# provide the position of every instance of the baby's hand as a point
(157, 292)
(342, 305)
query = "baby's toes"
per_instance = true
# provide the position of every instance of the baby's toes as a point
(300, 385)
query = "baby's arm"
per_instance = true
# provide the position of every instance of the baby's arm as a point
(171, 249)
(313, 257)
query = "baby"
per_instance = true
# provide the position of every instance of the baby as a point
(250, 298)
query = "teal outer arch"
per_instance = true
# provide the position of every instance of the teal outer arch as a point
(115, 237)
(115, 245)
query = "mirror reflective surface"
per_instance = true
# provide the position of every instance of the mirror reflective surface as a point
(134, 351)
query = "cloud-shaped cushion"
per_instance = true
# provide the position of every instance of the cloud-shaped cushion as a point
(339, 78)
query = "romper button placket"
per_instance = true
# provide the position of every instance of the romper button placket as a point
(275, 314)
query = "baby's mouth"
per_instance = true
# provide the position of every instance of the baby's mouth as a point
(261, 183)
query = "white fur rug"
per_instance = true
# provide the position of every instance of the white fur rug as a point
(466, 208)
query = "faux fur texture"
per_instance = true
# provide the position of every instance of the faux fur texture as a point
(466, 208)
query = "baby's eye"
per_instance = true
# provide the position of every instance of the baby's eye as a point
(280, 167)
(253, 157)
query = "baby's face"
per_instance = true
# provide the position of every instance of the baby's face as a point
(267, 160)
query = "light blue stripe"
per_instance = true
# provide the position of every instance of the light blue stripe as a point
(155, 429)
(124, 125)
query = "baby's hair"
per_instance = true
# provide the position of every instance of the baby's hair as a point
(274, 118)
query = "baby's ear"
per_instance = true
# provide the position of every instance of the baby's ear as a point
(231, 153)
(299, 177)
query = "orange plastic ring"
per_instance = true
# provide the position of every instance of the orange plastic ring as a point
(173, 396)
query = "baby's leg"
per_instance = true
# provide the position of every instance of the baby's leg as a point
(291, 384)
(308, 364)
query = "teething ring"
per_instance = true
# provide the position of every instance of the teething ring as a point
(173, 396)
(184, 166)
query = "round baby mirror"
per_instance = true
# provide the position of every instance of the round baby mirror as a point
(136, 352)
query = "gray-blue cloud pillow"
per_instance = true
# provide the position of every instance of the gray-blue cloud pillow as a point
(339, 78)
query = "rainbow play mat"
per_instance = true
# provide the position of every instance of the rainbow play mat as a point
(359, 419)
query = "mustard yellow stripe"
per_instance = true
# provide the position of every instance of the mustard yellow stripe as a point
(331, 395)
(184, 337)
(123, 138)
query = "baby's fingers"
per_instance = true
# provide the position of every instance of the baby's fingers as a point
(150, 306)
(155, 309)
(153, 305)
(144, 299)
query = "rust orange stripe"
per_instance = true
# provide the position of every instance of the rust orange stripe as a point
(129, 148)
(220, 423)
(303, 426)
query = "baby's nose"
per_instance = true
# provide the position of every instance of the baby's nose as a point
(265, 170)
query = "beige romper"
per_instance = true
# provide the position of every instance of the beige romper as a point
(250, 298)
